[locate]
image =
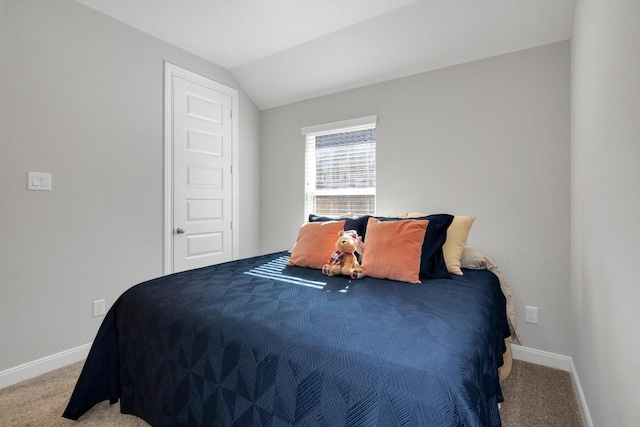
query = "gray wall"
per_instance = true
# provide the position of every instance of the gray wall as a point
(605, 153)
(82, 98)
(488, 138)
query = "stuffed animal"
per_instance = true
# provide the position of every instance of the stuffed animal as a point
(343, 260)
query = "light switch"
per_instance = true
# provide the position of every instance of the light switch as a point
(39, 181)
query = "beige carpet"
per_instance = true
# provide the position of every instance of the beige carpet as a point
(40, 402)
(535, 396)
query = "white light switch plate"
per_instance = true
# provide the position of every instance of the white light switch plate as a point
(39, 181)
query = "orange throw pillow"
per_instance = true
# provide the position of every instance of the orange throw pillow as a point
(393, 249)
(316, 242)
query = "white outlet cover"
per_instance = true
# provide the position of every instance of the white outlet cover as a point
(99, 308)
(531, 314)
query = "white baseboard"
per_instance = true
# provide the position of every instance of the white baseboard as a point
(582, 401)
(540, 357)
(41, 366)
(556, 361)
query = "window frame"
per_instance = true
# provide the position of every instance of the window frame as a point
(362, 123)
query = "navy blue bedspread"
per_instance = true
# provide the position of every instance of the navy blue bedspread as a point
(255, 343)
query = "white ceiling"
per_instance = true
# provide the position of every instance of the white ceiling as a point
(283, 51)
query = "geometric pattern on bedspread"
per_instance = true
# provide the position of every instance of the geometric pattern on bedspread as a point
(249, 343)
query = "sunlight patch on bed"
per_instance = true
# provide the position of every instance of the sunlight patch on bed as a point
(274, 270)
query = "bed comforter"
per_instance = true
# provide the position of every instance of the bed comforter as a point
(256, 343)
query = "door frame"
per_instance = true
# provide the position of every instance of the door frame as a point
(171, 70)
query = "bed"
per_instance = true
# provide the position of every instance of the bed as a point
(260, 342)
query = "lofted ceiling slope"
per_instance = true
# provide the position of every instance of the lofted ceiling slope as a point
(284, 51)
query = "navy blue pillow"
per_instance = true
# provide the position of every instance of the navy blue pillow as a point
(358, 223)
(432, 265)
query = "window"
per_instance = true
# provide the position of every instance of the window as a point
(340, 167)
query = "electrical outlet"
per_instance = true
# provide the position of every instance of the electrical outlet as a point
(531, 314)
(99, 308)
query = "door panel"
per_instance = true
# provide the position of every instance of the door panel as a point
(203, 142)
(203, 245)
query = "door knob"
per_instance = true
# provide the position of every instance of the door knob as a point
(180, 230)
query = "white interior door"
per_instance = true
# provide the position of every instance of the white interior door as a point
(200, 133)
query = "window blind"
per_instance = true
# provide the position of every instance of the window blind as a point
(340, 171)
